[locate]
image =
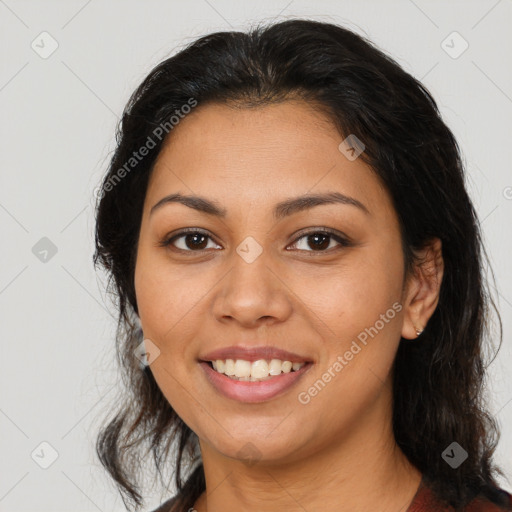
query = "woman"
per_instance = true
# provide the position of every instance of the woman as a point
(298, 266)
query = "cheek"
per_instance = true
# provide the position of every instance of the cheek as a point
(163, 297)
(164, 300)
(357, 311)
(352, 295)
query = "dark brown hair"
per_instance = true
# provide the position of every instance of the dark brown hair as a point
(438, 380)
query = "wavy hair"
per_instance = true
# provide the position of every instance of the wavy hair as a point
(438, 380)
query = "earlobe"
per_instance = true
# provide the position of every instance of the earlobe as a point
(423, 289)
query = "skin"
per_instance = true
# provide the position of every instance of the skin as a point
(339, 448)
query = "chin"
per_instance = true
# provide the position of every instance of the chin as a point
(258, 447)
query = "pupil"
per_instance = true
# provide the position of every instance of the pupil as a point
(198, 241)
(316, 236)
(196, 236)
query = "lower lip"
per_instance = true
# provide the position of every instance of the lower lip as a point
(252, 392)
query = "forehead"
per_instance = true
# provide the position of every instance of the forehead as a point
(260, 155)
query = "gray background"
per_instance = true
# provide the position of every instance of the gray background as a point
(58, 116)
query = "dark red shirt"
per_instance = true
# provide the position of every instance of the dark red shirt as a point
(423, 501)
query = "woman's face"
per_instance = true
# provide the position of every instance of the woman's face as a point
(262, 282)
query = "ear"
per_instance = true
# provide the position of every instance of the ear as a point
(421, 291)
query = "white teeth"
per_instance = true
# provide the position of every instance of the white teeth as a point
(261, 369)
(242, 368)
(275, 367)
(229, 367)
(287, 366)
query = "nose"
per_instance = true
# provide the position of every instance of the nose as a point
(252, 294)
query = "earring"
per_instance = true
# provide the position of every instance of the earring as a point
(418, 331)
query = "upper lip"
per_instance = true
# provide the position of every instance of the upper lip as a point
(253, 354)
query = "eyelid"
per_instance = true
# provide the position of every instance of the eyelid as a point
(167, 240)
(319, 229)
(340, 238)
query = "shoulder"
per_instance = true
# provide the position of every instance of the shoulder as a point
(481, 504)
(426, 501)
(166, 506)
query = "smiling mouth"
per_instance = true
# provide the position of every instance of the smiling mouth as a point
(255, 371)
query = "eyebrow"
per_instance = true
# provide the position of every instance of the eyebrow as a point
(283, 209)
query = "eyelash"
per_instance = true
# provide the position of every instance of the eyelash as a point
(344, 242)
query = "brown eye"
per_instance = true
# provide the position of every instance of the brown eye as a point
(319, 241)
(189, 241)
